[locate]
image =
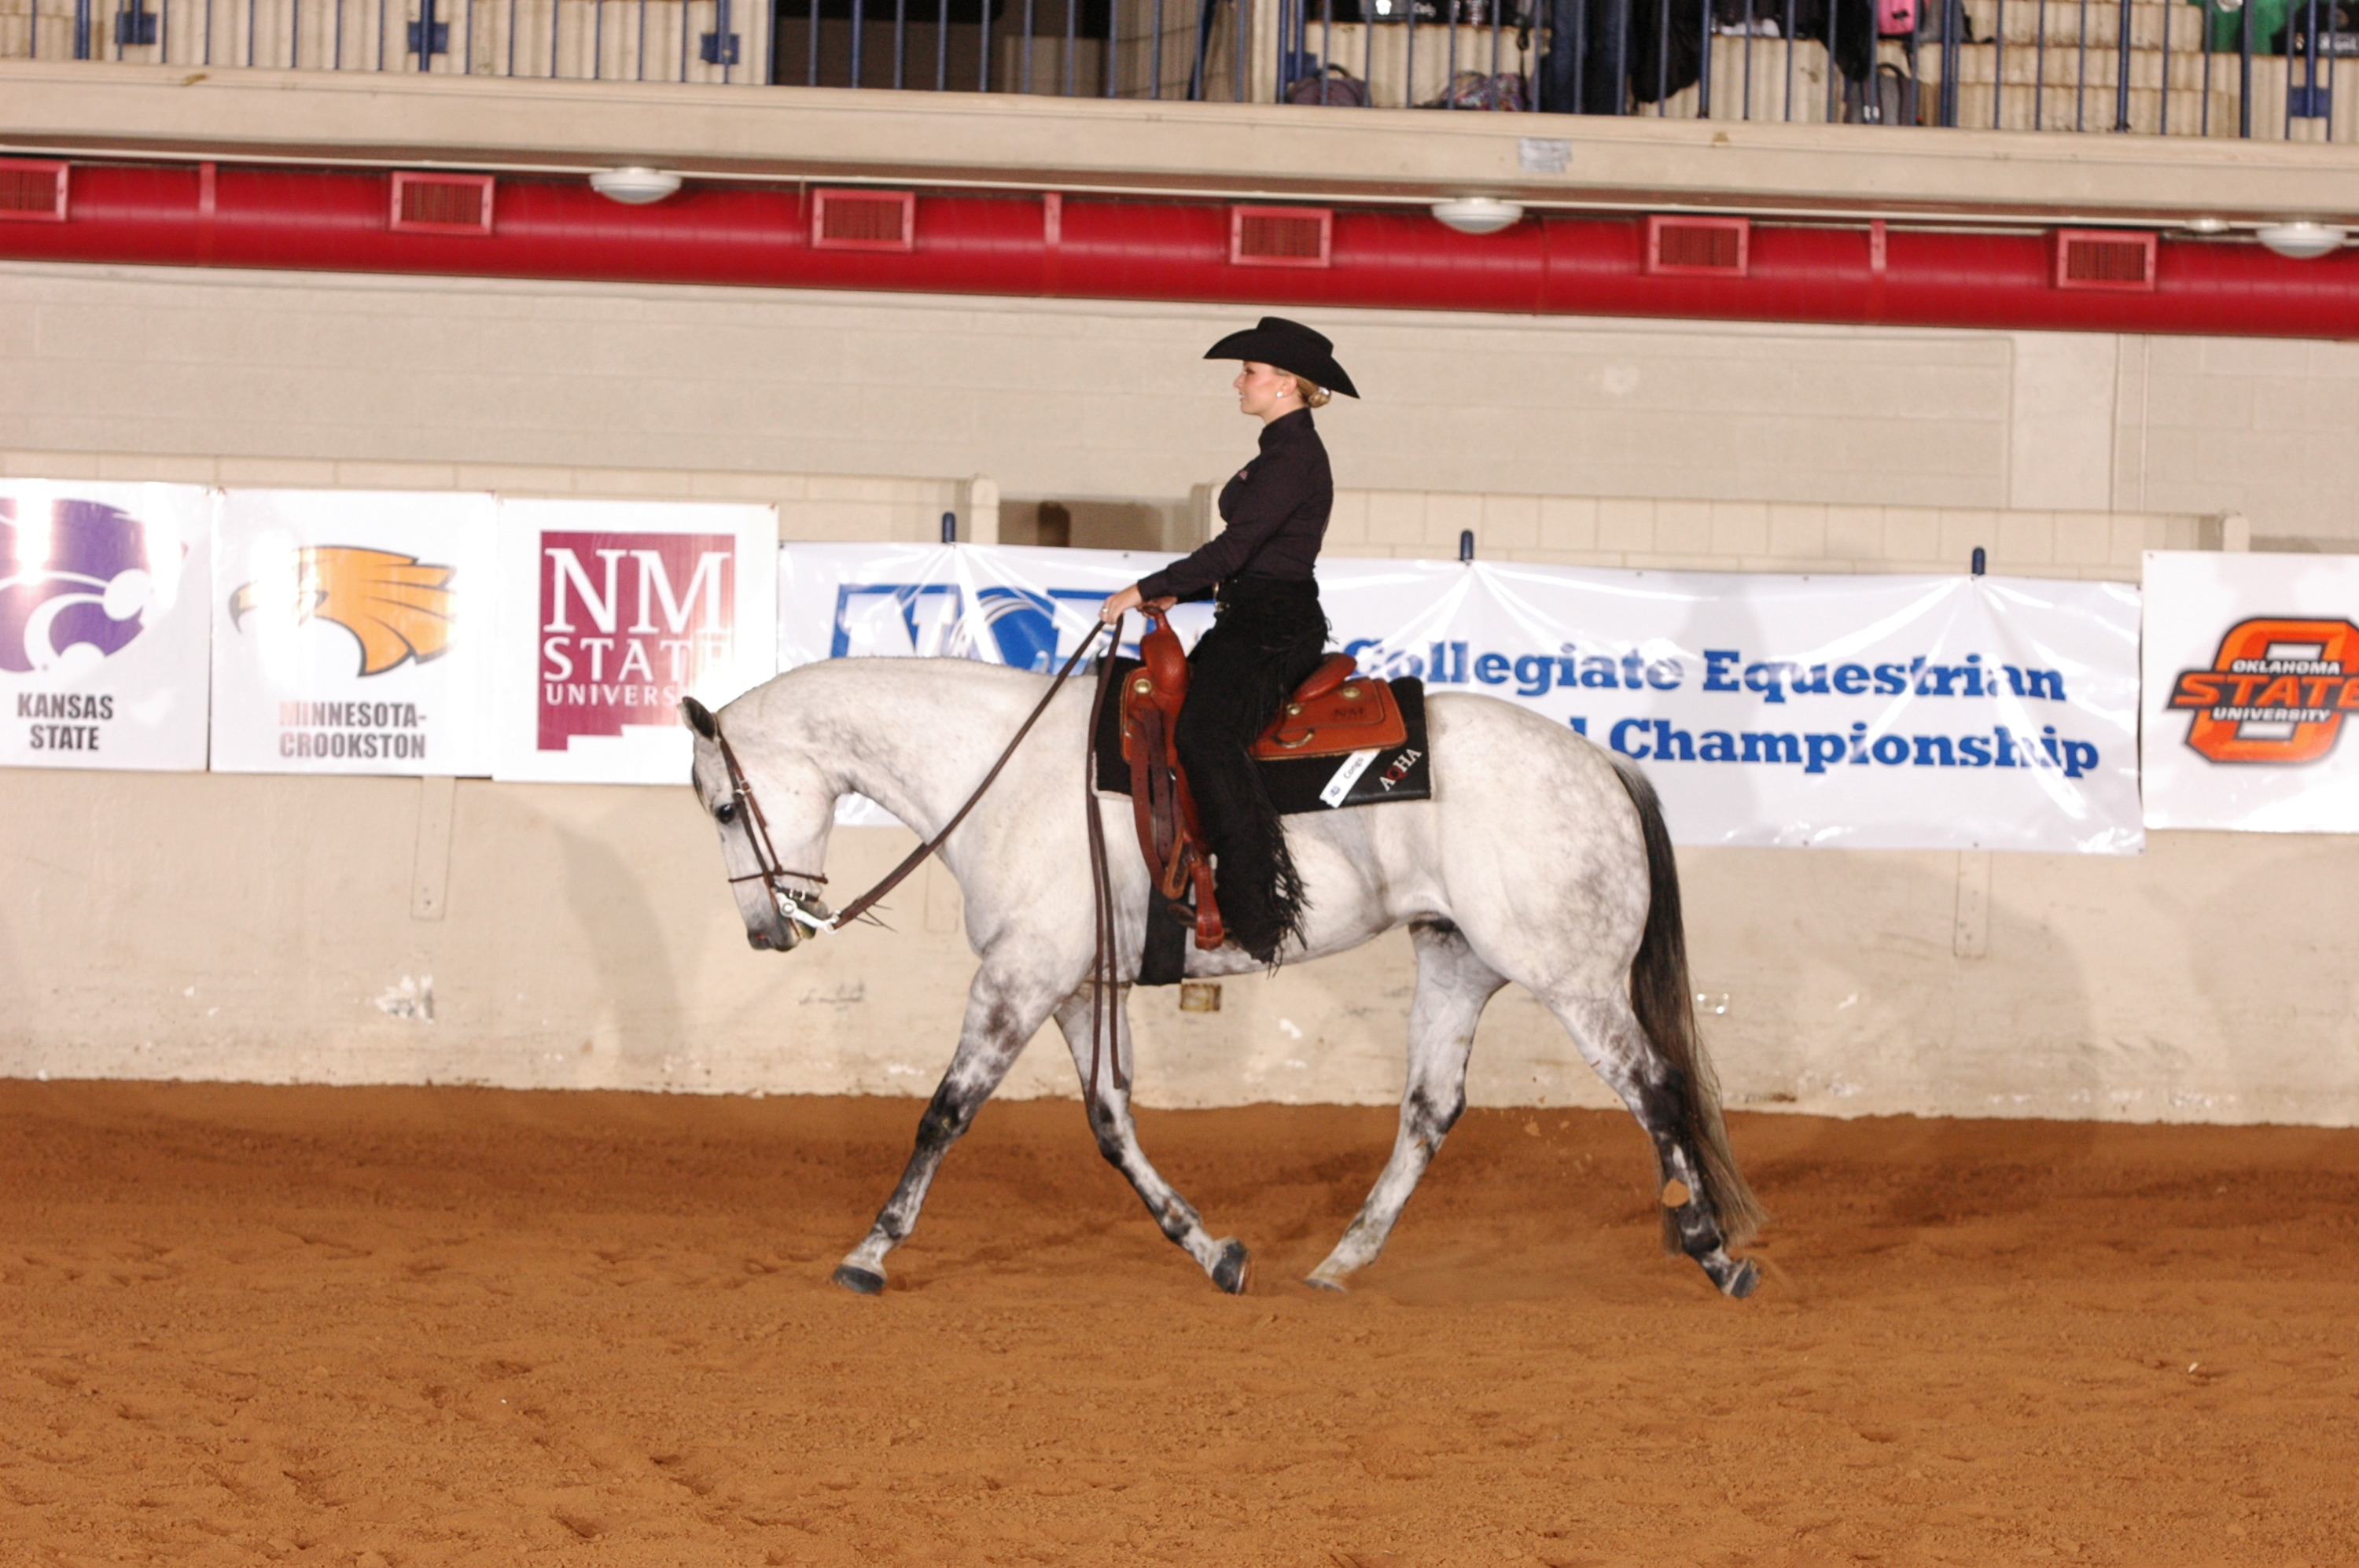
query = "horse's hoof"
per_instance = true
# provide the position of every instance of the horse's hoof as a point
(1326, 1282)
(859, 1282)
(1742, 1280)
(1235, 1269)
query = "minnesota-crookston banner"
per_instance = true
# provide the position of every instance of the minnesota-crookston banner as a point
(102, 623)
(352, 632)
(2252, 674)
(1863, 711)
(612, 612)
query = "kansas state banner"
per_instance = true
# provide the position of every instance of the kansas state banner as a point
(2252, 674)
(352, 632)
(1917, 712)
(102, 623)
(612, 612)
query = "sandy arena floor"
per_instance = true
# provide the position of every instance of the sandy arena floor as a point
(451, 1326)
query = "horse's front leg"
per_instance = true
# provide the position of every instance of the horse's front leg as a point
(1224, 1259)
(1002, 1014)
(1452, 987)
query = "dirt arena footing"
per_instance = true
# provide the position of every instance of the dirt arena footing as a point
(427, 1326)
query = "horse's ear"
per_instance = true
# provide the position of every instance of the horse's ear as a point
(699, 718)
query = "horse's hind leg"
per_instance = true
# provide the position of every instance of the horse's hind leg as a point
(1612, 1041)
(1224, 1259)
(1452, 987)
(1001, 1015)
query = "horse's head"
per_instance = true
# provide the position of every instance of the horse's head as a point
(773, 831)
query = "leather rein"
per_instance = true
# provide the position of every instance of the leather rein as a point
(805, 910)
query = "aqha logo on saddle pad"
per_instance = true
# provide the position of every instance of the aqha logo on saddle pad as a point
(101, 651)
(351, 632)
(2252, 669)
(630, 609)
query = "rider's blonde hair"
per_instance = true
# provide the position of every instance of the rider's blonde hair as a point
(1313, 396)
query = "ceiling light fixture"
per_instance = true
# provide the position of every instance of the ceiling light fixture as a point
(2301, 241)
(635, 186)
(1477, 215)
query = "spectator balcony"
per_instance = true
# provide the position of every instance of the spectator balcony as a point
(2209, 67)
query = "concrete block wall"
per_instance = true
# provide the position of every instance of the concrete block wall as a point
(811, 506)
(1758, 536)
(2248, 425)
(2145, 987)
(1108, 401)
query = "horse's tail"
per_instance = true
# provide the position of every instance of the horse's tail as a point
(1660, 996)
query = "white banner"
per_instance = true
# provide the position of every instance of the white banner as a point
(1872, 712)
(102, 623)
(352, 632)
(612, 611)
(2252, 668)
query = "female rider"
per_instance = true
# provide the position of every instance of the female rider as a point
(1269, 632)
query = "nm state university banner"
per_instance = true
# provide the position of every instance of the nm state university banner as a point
(1919, 713)
(352, 632)
(2252, 674)
(613, 611)
(102, 623)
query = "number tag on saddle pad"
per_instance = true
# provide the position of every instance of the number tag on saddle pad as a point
(1368, 776)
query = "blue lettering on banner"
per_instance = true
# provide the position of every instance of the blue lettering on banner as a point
(1026, 629)
(1660, 740)
(859, 602)
(1775, 680)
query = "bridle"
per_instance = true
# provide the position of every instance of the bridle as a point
(805, 909)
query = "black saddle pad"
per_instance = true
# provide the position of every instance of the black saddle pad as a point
(1300, 784)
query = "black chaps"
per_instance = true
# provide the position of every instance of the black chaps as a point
(1267, 636)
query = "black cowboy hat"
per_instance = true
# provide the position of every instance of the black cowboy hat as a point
(1288, 345)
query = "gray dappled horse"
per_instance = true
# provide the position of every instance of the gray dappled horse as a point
(1534, 861)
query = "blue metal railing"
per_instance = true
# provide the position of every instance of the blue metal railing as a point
(2208, 68)
(609, 39)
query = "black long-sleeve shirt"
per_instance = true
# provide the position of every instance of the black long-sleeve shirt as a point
(1276, 510)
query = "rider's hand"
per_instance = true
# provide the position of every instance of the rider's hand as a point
(1118, 605)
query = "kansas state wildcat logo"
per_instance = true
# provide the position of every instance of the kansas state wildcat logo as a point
(75, 585)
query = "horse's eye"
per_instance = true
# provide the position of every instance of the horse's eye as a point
(725, 813)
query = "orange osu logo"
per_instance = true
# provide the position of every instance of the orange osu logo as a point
(2277, 690)
(398, 607)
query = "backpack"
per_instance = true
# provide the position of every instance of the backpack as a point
(1335, 87)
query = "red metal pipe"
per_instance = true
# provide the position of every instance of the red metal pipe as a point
(1123, 248)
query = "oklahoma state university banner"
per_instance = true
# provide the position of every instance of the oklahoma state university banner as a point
(2251, 677)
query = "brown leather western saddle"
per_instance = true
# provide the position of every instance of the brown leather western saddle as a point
(1335, 711)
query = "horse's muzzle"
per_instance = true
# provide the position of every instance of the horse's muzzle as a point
(799, 914)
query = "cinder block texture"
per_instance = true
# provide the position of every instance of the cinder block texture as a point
(355, 380)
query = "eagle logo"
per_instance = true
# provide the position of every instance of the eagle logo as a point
(398, 607)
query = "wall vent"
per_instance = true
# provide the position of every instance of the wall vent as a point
(863, 219)
(1282, 236)
(441, 203)
(31, 191)
(1685, 246)
(2105, 258)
